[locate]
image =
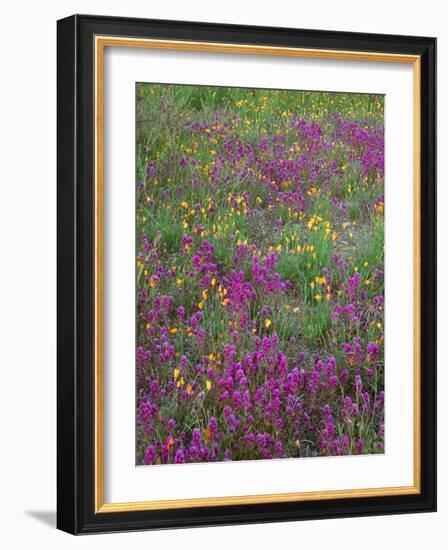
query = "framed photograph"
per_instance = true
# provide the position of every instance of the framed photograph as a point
(246, 274)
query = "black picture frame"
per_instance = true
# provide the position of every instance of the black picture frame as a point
(76, 265)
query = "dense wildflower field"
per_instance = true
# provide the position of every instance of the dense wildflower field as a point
(260, 274)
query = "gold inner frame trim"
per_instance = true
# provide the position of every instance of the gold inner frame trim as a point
(101, 42)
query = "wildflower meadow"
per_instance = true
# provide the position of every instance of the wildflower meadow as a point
(259, 274)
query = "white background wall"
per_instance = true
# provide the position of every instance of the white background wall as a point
(28, 272)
